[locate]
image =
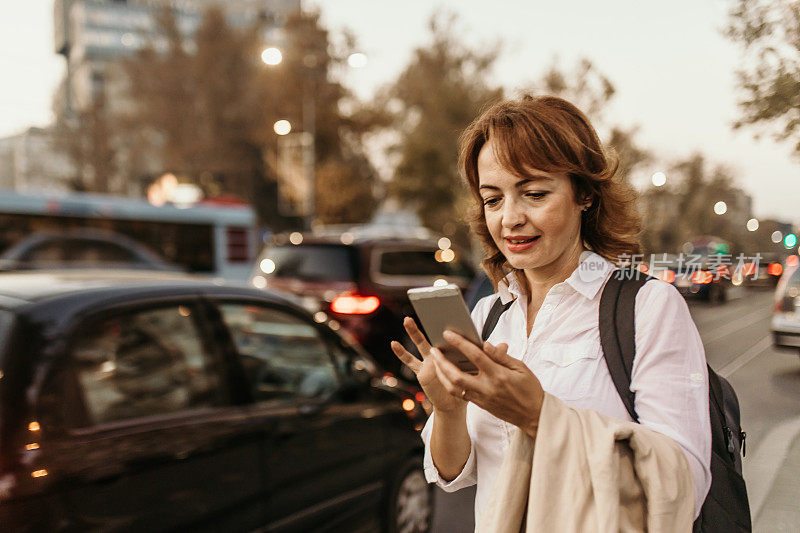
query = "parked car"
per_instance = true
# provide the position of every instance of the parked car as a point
(786, 314)
(81, 248)
(360, 280)
(134, 401)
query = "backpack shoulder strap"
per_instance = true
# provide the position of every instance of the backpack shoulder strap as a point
(498, 308)
(617, 330)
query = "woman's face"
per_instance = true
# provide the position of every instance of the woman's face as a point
(541, 207)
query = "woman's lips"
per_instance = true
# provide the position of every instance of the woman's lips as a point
(521, 247)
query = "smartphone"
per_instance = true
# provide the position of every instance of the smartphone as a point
(441, 308)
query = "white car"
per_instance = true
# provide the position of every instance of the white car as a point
(786, 315)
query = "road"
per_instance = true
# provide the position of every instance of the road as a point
(767, 381)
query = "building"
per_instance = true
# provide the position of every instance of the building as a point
(31, 162)
(91, 34)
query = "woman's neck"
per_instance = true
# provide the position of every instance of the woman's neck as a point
(541, 280)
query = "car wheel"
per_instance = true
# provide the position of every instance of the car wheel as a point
(410, 505)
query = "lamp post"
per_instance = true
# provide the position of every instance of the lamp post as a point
(273, 56)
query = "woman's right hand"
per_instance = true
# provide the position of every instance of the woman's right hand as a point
(425, 370)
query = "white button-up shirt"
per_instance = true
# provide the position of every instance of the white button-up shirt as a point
(669, 378)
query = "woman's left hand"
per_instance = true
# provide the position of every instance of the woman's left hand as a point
(504, 386)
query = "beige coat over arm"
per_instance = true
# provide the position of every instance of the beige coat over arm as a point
(590, 473)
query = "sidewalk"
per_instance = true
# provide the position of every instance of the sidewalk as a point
(780, 510)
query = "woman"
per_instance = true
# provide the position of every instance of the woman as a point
(553, 217)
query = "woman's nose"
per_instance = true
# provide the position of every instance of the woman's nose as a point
(513, 214)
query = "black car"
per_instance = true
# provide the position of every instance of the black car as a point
(360, 280)
(144, 402)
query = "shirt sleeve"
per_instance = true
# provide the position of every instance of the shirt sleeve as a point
(468, 475)
(670, 378)
(466, 478)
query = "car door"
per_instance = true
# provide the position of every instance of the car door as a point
(139, 431)
(325, 463)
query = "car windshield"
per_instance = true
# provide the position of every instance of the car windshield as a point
(420, 263)
(309, 262)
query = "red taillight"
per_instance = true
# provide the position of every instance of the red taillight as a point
(420, 397)
(775, 269)
(667, 275)
(792, 260)
(749, 269)
(702, 277)
(353, 304)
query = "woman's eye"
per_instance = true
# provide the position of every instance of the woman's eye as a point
(536, 195)
(490, 201)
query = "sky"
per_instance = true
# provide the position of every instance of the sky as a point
(673, 69)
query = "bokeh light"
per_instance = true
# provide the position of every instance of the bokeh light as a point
(271, 56)
(282, 127)
(659, 179)
(267, 266)
(357, 60)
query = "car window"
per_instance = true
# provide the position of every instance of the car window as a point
(309, 262)
(52, 250)
(419, 263)
(283, 355)
(144, 363)
(90, 251)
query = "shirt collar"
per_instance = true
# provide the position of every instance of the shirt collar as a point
(587, 278)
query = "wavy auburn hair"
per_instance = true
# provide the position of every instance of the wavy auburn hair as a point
(550, 134)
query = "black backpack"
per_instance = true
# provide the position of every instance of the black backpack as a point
(726, 506)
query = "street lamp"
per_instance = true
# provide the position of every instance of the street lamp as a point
(272, 56)
(659, 179)
(282, 127)
(720, 208)
(752, 224)
(357, 60)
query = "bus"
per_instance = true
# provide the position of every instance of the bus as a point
(204, 238)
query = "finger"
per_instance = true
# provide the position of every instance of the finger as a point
(499, 354)
(406, 357)
(439, 361)
(417, 337)
(470, 351)
(458, 379)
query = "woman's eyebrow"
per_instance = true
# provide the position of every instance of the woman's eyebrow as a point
(520, 183)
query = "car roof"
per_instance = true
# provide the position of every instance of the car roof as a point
(73, 290)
